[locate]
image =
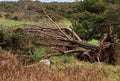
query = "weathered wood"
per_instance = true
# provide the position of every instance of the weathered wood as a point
(62, 52)
(51, 55)
(83, 44)
(68, 51)
(66, 45)
(78, 41)
(107, 47)
(60, 38)
(55, 29)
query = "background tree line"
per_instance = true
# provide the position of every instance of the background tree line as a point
(31, 10)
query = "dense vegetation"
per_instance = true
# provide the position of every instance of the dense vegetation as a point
(32, 11)
(87, 16)
(96, 16)
(90, 19)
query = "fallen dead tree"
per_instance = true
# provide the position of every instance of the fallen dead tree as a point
(66, 41)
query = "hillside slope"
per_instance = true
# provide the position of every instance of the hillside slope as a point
(33, 11)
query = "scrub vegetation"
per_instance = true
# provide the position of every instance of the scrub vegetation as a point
(90, 19)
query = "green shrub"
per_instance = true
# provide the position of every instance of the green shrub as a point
(16, 38)
(39, 52)
(4, 38)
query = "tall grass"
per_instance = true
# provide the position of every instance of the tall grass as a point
(11, 69)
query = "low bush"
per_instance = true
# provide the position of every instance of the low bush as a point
(39, 52)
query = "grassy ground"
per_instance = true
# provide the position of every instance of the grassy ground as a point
(12, 69)
(40, 23)
(63, 68)
(65, 23)
(13, 22)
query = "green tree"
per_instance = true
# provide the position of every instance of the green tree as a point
(92, 6)
(92, 14)
(95, 17)
(113, 17)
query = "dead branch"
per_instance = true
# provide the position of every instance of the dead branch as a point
(51, 55)
(56, 25)
(65, 45)
(62, 52)
(83, 44)
(50, 36)
(55, 29)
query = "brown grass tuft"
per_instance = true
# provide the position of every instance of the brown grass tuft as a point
(11, 69)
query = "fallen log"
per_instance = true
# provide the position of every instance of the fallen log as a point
(71, 40)
(41, 29)
(65, 52)
(83, 44)
(65, 45)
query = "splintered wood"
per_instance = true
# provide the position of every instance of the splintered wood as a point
(107, 47)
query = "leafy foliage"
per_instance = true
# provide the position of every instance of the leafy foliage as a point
(88, 26)
(15, 40)
(38, 53)
(92, 6)
(95, 17)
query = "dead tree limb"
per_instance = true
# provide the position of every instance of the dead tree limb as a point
(56, 25)
(62, 52)
(83, 44)
(51, 36)
(66, 45)
(51, 28)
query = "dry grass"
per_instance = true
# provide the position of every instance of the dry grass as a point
(11, 69)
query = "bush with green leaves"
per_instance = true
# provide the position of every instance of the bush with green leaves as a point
(92, 6)
(39, 52)
(95, 18)
(88, 26)
(15, 40)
